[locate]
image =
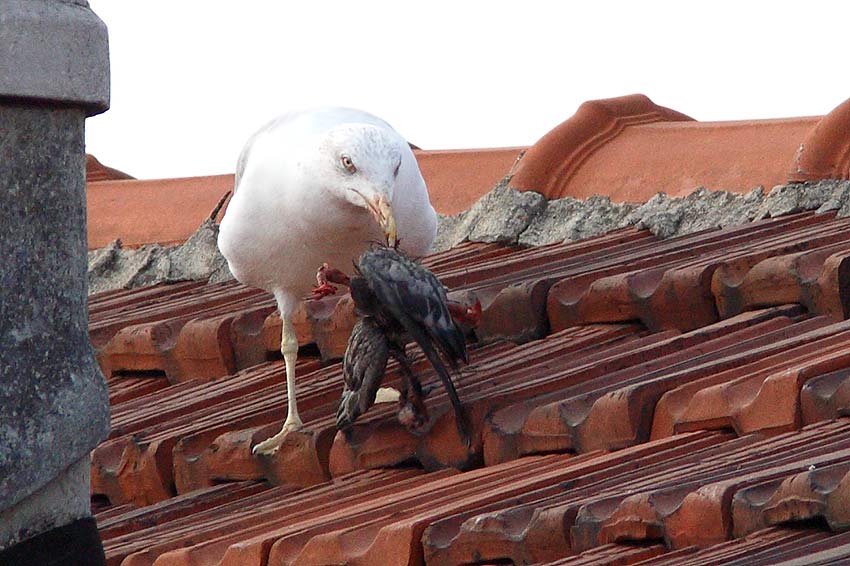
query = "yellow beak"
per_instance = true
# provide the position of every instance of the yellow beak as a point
(381, 210)
(386, 220)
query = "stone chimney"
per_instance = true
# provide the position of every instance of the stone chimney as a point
(54, 72)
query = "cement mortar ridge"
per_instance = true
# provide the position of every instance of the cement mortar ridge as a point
(503, 215)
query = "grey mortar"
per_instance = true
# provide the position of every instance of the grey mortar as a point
(503, 215)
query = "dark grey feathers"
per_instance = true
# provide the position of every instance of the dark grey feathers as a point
(398, 298)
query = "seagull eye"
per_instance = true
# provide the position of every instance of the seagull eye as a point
(347, 163)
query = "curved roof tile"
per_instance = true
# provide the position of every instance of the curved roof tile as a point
(629, 148)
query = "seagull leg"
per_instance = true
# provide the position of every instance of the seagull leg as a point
(289, 349)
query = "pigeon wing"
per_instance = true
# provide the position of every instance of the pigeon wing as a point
(414, 297)
(363, 368)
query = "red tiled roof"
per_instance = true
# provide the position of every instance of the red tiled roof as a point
(457, 178)
(676, 393)
(163, 211)
(168, 211)
(629, 148)
(97, 171)
(632, 399)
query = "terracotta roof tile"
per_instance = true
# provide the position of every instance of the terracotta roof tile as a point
(192, 330)
(190, 335)
(767, 397)
(458, 178)
(163, 211)
(125, 388)
(825, 152)
(818, 493)
(710, 504)
(811, 278)
(825, 397)
(677, 495)
(613, 555)
(702, 275)
(768, 547)
(537, 526)
(609, 405)
(130, 519)
(248, 516)
(190, 424)
(629, 148)
(136, 464)
(168, 211)
(97, 171)
(492, 380)
(632, 400)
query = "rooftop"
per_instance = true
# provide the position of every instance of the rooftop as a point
(635, 398)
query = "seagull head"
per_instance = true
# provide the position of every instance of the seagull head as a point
(367, 162)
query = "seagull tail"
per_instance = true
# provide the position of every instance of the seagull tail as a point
(219, 206)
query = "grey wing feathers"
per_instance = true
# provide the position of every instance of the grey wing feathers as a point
(363, 370)
(414, 296)
(417, 300)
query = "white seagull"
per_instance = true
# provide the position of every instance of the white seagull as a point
(317, 187)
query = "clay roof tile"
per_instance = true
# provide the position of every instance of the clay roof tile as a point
(632, 399)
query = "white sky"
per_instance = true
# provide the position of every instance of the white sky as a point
(192, 79)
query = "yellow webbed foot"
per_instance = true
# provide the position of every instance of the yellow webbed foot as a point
(271, 445)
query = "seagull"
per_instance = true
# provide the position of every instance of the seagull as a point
(399, 299)
(312, 187)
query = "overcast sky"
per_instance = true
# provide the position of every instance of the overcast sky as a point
(192, 79)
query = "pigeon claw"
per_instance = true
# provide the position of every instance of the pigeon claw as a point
(413, 418)
(322, 291)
